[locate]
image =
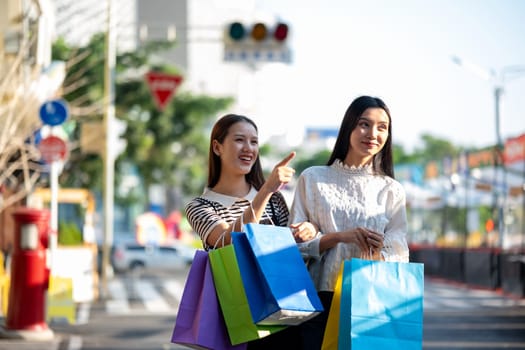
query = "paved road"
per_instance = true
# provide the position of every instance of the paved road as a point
(456, 317)
(141, 313)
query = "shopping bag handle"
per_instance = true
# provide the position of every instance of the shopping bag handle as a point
(269, 217)
(221, 239)
(367, 255)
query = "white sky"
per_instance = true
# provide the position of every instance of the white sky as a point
(399, 50)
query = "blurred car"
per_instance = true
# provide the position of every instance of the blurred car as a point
(134, 256)
(187, 251)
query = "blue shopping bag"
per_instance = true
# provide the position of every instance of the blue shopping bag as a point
(381, 305)
(278, 286)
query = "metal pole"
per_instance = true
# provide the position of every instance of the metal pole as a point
(499, 170)
(53, 234)
(523, 200)
(109, 115)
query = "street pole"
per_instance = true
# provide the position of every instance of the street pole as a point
(499, 196)
(109, 115)
(499, 167)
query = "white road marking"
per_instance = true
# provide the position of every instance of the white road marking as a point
(152, 299)
(119, 298)
(83, 311)
(175, 289)
(75, 343)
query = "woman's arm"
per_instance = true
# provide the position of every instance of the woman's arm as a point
(220, 235)
(395, 246)
(280, 175)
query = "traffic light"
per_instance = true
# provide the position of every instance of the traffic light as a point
(237, 31)
(257, 42)
(281, 32)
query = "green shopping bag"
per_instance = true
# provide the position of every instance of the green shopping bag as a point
(232, 298)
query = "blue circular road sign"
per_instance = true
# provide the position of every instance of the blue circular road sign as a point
(54, 112)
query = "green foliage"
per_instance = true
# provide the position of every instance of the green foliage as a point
(434, 149)
(265, 150)
(69, 234)
(170, 147)
(402, 157)
(83, 88)
(165, 147)
(319, 158)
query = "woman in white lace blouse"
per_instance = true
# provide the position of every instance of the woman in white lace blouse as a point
(354, 201)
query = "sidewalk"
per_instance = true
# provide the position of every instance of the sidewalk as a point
(22, 340)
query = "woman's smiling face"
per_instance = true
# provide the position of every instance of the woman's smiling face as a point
(369, 136)
(239, 150)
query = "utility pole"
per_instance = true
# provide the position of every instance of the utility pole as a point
(499, 79)
(109, 116)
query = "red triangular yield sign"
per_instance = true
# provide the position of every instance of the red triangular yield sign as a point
(162, 87)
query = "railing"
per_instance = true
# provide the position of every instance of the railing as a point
(489, 268)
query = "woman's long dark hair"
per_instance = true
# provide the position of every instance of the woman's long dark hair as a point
(221, 128)
(383, 161)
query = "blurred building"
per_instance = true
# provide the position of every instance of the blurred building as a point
(25, 26)
(76, 21)
(136, 22)
(165, 20)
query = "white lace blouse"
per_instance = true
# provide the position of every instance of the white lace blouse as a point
(339, 198)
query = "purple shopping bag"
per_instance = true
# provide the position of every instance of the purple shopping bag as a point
(199, 323)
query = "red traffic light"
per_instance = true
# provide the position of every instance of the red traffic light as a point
(281, 32)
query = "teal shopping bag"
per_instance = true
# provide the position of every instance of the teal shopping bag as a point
(381, 305)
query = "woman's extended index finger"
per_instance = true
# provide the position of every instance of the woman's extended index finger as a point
(287, 159)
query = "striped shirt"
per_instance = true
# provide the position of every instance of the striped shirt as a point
(211, 208)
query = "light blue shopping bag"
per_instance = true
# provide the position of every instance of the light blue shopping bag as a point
(381, 305)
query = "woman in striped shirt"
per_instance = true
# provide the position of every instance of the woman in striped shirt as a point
(237, 192)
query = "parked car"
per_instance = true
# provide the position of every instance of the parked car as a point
(134, 256)
(187, 251)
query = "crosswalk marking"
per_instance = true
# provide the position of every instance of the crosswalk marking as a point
(83, 311)
(150, 297)
(175, 289)
(75, 343)
(148, 293)
(118, 304)
(441, 297)
(147, 296)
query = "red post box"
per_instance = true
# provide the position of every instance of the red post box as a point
(29, 273)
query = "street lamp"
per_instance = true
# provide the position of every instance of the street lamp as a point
(498, 79)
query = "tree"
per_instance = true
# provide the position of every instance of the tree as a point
(167, 147)
(319, 158)
(164, 147)
(434, 149)
(401, 156)
(20, 162)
